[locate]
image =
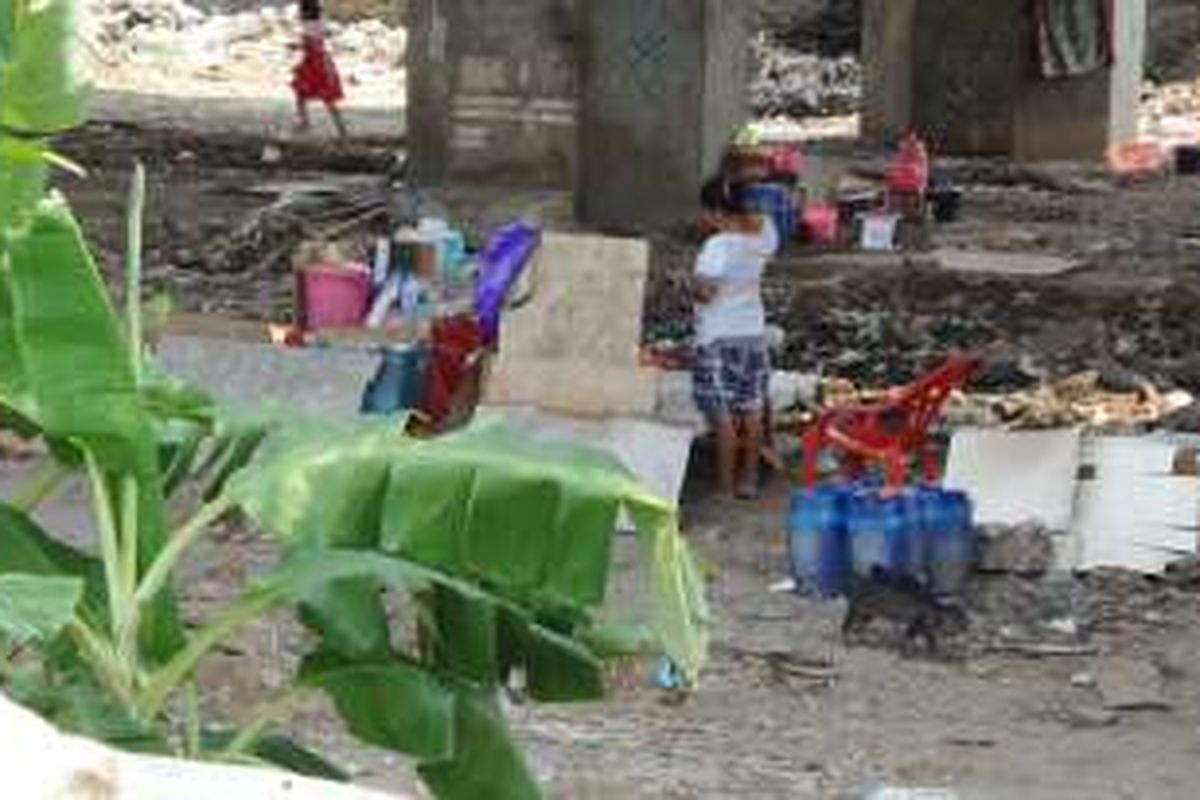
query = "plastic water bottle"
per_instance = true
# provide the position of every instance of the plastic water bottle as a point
(817, 541)
(951, 552)
(880, 531)
(917, 501)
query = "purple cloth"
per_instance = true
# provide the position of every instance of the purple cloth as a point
(501, 264)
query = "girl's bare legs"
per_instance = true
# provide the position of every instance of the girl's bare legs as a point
(302, 121)
(339, 122)
(727, 456)
(750, 436)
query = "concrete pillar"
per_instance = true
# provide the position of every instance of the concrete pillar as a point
(663, 88)
(492, 91)
(964, 74)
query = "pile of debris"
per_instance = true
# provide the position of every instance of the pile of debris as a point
(796, 84)
(1077, 401)
(154, 45)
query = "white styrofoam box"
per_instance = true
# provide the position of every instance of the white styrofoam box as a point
(1122, 456)
(1135, 513)
(1139, 523)
(1015, 477)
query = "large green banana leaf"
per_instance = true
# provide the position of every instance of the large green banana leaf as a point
(531, 520)
(41, 87)
(66, 370)
(530, 525)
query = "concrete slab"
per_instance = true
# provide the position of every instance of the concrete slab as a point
(992, 262)
(252, 376)
(574, 347)
(1130, 684)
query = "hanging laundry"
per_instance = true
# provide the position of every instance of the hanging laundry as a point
(1074, 37)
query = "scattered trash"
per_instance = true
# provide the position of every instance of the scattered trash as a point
(669, 677)
(1083, 680)
(1089, 717)
(895, 793)
(1065, 626)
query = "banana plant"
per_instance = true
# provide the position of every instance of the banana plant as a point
(498, 546)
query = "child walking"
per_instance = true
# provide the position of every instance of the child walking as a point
(316, 76)
(730, 375)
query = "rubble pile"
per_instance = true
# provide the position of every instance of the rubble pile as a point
(799, 84)
(152, 45)
(1077, 401)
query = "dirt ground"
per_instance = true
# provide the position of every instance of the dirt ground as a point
(785, 711)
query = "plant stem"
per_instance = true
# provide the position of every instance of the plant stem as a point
(163, 682)
(127, 635)
(106, 665)
(133, 267)
(274, 710)
(159, 573)
(41, 487)
(193, 721)
(110, 547)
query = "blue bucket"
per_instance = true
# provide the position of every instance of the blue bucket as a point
(817, 542)
(777, 202)
(881, 531)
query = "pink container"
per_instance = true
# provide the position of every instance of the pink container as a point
(821, 224)
(332, 295)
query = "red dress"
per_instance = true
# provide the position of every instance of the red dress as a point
(316, 76)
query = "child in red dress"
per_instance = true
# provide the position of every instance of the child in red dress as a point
(316, 76)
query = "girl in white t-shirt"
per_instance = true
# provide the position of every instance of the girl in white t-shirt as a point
(730, 375)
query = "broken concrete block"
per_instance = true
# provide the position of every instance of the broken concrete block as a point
(574, 347)
(1130, 684)
(1022, 550)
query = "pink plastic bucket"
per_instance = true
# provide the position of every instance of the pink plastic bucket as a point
(821, 224)
(332, 295)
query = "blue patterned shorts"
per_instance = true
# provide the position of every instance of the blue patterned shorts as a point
(730, 377)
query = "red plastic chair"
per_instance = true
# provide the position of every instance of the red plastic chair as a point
(891, 431)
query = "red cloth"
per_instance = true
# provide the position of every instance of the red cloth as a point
(316, 76)
(454, 340)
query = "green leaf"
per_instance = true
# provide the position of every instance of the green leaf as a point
(486, 762)
(395, 705)
(42, 87)
(67, 371)
(350, 616)
(466, 640)
(322, 484)
(82, 708)
(36, 608)
(534, 522)
(280, 751)
(64, 353)
(26, 549)
(560, 669)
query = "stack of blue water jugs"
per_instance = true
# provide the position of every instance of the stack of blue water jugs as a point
(844, 529)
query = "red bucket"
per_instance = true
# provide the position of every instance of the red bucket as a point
(332, 295)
